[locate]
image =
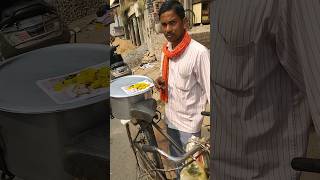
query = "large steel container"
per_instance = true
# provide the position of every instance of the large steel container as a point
(120, 101)
(35, 128)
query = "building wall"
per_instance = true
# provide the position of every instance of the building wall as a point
(71, 10)
(196, 8)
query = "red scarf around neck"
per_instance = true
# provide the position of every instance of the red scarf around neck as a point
(178, 50)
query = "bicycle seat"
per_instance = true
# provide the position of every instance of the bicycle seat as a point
(144, 110)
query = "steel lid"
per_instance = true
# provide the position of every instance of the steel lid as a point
(117, 84)
(19, 92)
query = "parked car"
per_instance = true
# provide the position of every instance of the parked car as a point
(26, 25)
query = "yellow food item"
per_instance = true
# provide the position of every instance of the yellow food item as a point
(86, 76)
(92, 78)
(139, 86)
(102, 72)
(58, 86)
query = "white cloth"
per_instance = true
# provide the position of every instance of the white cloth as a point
(188, 88)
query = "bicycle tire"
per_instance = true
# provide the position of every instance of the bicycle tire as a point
(144, 168)
(142, 165)
(148, 138)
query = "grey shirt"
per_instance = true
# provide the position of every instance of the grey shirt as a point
(265, 86)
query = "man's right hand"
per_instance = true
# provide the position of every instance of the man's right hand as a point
(160, 84)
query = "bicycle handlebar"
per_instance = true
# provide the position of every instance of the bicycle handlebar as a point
(178, 160)
(205, 113)
(306, 164)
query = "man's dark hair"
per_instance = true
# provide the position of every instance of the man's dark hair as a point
(172, 5)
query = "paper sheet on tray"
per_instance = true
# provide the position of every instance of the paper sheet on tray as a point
(68, 94)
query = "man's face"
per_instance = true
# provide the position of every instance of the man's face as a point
(173, 26)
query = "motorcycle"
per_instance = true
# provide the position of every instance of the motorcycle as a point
(117, 65)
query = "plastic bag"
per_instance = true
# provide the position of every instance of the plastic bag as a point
(203, 159)
(196, 170)
(193, 172)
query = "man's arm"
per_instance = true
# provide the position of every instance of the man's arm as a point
(203, 72)
(159, 82)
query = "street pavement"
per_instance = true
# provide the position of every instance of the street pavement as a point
(123, 164)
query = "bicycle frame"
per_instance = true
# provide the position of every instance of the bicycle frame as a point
(137, 148)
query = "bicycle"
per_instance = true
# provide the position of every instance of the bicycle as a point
(145, 146)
